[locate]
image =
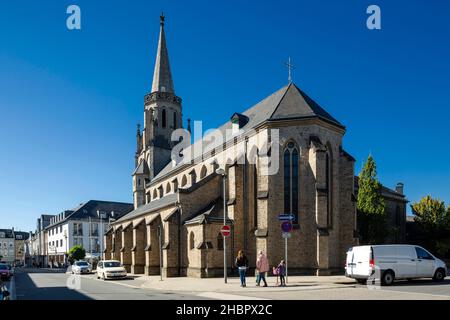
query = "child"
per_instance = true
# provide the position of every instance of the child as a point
(282, 273)
(275, 273)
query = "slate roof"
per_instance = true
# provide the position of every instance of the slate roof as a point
(213, 212)
(385, 192)
(25, 235)
(8, 233)
(170, 199)
(288, 102)
(89, 210)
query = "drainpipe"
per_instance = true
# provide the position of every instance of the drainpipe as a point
(245, 198)
(179, 238)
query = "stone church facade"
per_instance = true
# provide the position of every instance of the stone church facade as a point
(183, 201)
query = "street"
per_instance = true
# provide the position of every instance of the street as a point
(39, 285)
(53, 286)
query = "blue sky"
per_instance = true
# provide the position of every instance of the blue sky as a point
(70, 100)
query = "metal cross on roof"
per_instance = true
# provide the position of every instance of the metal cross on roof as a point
(290, 67)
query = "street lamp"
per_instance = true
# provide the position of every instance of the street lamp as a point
(67, 249)
(222, 172)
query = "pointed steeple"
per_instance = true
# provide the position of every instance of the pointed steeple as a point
(162, 77)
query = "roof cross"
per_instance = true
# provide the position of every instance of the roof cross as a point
(290, 67)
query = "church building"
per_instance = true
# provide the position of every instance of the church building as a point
(179, 206)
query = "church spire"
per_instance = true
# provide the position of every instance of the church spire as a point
(162, 77)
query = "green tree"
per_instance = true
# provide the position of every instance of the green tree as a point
(371, 206)
(76, 253)
(434, 221)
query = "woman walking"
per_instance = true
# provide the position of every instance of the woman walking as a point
(242, 265)
(262, 266)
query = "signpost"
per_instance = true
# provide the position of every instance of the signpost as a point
(286, 228)
(225, 231)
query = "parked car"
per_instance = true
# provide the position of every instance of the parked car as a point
(80, 267)
(5, 274)
(111, 269)
(393, 262)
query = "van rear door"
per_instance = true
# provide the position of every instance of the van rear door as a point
(361, 260)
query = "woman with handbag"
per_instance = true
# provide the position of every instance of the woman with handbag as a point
(242, 265)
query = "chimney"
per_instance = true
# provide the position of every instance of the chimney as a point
(399, 188)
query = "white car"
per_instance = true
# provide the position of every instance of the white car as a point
(80, 267)
(110, 269)
(390, 262)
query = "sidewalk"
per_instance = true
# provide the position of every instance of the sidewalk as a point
(295, 283)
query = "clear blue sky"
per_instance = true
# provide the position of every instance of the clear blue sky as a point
(70, 100)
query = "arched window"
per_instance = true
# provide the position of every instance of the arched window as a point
(291, 159)
(161, 191)
(175, 120)
(191, 241)
(203, 172)
(329, 185)
(219, 241)
(168, 188)
(164, 118)
(183, 181)
(155, 194)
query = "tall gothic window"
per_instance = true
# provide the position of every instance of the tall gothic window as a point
(291, 191)
(164, 118)
(174, 120)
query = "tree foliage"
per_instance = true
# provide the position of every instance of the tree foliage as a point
(371, 206)
(434, 221)
(77, 253)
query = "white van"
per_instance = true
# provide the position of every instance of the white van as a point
(393, 262)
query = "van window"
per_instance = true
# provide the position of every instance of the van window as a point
(422, 254)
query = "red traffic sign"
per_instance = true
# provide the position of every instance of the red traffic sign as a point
(225, 231)
(286, 226)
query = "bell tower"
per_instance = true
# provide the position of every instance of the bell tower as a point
(162, 115)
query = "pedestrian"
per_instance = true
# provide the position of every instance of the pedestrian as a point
(262, 266)
(242, 265)
(282, 273)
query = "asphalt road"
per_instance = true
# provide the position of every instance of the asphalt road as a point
(60, 286)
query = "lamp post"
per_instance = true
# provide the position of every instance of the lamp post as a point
(224, 179)
(65, 256)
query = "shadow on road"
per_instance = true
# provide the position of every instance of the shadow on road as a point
(420, 282)
(26, 289)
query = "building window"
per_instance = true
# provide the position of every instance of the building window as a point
(93, 232)
(77, 229)
(174, 120)
(291, 180)
(94, 245)
(164, 124)
(60, 229)
(60, 243)
(78, 241)
(191, 241)
(219, 241)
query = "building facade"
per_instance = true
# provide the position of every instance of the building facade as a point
(395, 208)
(82, 226)
(7, 248)
(282, 155)
(21, 247)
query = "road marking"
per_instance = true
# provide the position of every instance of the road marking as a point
(122, 284)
